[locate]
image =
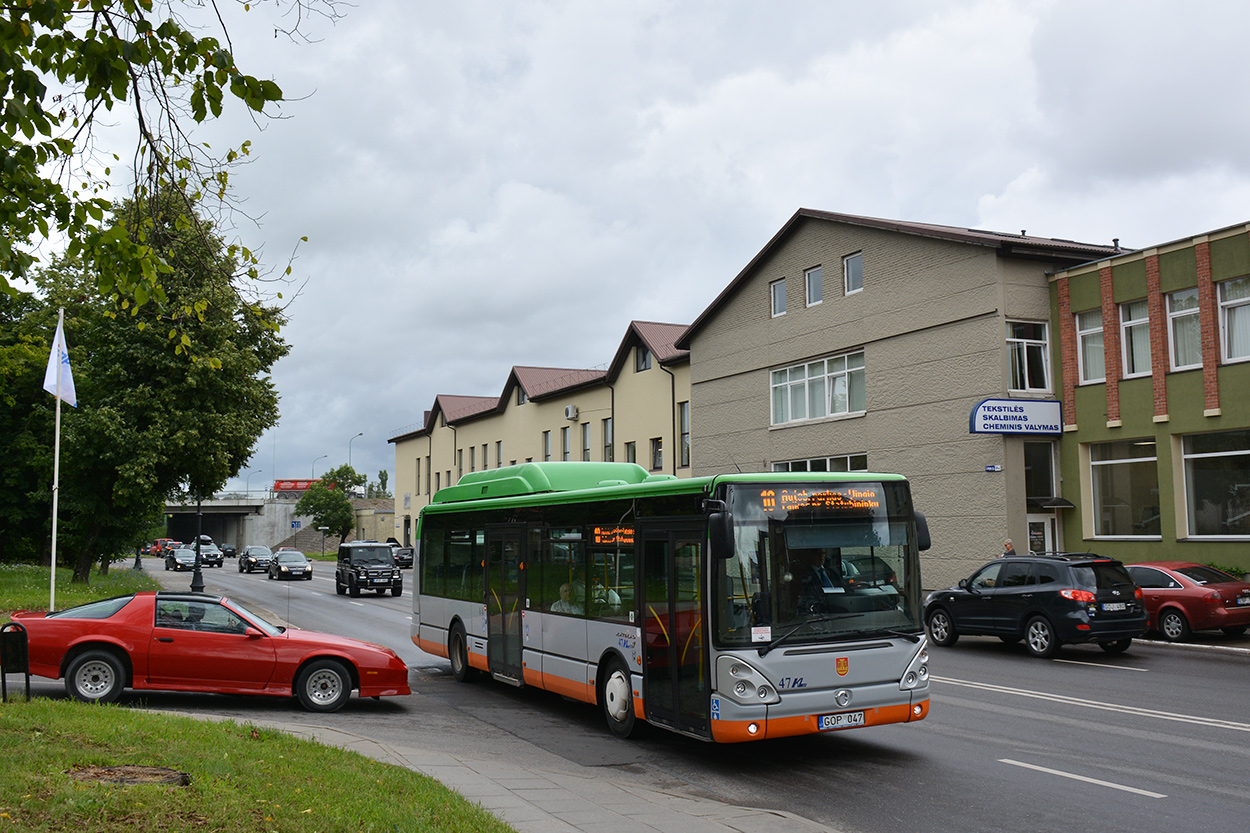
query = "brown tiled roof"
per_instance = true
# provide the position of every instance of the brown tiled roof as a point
(543, 382)
(1009, 244)
(658, 338)
(461, 407)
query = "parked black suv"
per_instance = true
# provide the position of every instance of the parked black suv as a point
(1045, 599)
(367, 565)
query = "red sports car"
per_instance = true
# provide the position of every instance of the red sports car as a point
(1182, 597)
(197, 642)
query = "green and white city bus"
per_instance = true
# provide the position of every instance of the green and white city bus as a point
(728, 608)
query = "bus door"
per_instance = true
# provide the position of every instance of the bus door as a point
(505, 592)
(675, 672)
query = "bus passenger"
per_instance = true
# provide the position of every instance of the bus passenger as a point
(567, 603)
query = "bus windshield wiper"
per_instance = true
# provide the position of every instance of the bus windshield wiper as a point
(910, 637)
(815, 620)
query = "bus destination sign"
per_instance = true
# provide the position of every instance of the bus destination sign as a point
(851, 496)
(614, 535)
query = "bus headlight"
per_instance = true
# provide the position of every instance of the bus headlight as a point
(744, 684)
(917, 673)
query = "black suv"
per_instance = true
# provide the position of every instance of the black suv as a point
(367, 565)
(1045, 599)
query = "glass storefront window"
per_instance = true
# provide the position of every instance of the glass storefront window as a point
(1217, 484)
(1126, 489)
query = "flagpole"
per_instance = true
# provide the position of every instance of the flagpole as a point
(56, 473)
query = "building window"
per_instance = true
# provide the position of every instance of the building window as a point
(1235, 319)
(631, 452)
(683, 419)
(1125, 478)
(608, 455)
(586, 441)
(815, 288)
(843, 462)
(657, 453)
(485, 448)
(564, 444)
(498, 453)
(1184, 331)
(427, 475)
(642, 359)
(1027, 347)
(1039, 470)
(459, 465)
(472, 458)
(521, 398)
(827, 387)
(1089, 346)
(777, 292)
(853, 272)
(546, 446)
(1135, 337)
(1217, 484)
(438, 480)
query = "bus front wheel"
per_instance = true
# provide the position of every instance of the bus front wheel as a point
(458, 653)
(616, 695)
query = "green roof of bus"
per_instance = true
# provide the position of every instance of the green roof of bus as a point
(537, 483)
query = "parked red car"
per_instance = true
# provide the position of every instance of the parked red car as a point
(197, 642)
(1183, 596)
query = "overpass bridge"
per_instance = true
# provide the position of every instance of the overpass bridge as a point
(242, 521)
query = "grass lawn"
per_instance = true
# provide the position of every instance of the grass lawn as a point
(242, 777)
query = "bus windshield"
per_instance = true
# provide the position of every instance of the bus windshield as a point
(837, 558)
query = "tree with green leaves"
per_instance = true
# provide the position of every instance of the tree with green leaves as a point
(152, 424)
(328, 507)
(67, 64)
(345, 478)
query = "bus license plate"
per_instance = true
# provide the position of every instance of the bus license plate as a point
(840, 721)
(1114, 606)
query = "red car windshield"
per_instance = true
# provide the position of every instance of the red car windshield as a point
(1205, 575)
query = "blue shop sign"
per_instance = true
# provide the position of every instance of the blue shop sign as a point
(1016, 416)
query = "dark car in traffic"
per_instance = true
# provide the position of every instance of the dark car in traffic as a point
(229, 550)
(210, 555)
(1183, 596)
(367, 565)
(403, 556)
(181, 557)
(290, 564)
(1048, 600)
(255, 557)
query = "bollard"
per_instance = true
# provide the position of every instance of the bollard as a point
(14, 657)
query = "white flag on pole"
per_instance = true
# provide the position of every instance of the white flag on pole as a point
(58, 380)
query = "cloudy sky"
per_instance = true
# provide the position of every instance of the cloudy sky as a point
(486, 184)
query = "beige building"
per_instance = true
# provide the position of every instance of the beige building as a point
(854, 343)
(638, 410)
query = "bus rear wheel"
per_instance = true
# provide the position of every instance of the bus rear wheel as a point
(616, 695)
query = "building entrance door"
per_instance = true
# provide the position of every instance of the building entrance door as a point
(1042, 533)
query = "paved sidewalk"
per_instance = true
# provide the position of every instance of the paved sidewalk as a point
(565, 800)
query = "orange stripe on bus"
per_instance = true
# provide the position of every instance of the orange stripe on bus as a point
(438, 649)
(736, 731)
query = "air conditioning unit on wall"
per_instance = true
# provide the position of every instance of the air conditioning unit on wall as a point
(570, 412)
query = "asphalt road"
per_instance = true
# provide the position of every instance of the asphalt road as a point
(1153, 740)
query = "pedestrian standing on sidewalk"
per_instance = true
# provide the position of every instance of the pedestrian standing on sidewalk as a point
(1008, 549)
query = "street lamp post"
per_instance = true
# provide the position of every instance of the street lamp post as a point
(197, 578)
(349, 447)
(248, 487)
(312, 471)
(323, 538)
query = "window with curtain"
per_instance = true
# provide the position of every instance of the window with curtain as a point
(1184, 329)
(823, 388)
(1090, 352)
(1235, 318)
(1027, 346)
(1135, 337)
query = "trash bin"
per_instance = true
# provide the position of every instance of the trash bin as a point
(14, 656)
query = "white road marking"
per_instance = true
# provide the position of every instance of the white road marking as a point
(1086, 779)
(358, 604)
(1094, 704)
(1102, 665)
